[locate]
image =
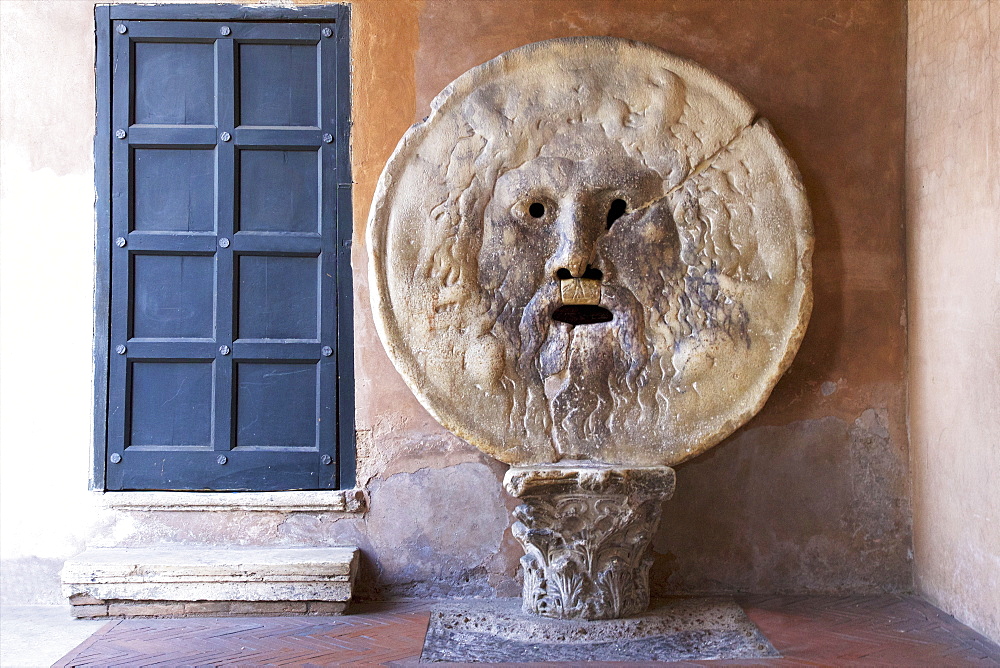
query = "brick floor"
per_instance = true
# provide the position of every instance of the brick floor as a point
(867, 630)
(807, 630)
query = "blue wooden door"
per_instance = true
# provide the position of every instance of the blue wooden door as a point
(225, 256)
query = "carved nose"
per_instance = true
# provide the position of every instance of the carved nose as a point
(569, 265)
(577, 242)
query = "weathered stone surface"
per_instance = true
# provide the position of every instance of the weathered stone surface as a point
(206, 608)
(145, 609)
(180, 573)
(674, 630)
(139, 608)
(437, 525)
(333, 501)
(745, 517)
(88, 610)
(268, 607)
(170, 563)
(591, 249)
(586, 533)
(326, 607)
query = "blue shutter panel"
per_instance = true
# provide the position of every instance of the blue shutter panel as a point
(223, 370)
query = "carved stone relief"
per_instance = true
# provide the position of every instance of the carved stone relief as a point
(591, 250)
(586, 535)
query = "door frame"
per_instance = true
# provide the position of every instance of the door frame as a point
(104, 16)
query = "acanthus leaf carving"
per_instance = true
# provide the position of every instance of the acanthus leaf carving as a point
(586, 534)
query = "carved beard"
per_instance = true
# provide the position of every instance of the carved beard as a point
(588, 376)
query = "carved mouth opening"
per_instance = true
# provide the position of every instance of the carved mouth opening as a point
(582, 314)
(591, 273)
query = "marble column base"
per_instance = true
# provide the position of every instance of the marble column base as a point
(586, 532)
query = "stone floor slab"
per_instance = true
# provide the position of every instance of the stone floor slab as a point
(37, 635)
(672, 630)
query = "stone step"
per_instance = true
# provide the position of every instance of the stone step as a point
(191, 580)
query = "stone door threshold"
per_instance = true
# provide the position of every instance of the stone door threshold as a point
(183, 580)
(333, 501)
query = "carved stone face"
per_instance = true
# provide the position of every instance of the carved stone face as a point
(560, 215)
(563, 273)
(567, 242)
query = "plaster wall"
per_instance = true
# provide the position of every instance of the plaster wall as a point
(953, 208)
(811, 495)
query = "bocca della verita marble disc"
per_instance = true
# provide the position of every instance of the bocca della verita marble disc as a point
(591, 250)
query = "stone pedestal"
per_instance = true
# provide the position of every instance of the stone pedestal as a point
(586, 532)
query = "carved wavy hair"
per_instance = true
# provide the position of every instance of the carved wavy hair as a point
(503, 131)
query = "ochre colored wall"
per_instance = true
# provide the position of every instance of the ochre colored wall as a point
(953, 218)
(812, 494)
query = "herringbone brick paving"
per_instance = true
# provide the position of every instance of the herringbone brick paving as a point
(376, 635)
(807, 630)
(867, 630)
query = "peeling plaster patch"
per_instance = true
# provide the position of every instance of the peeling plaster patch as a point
(381, 455)
(814, 506)
(874, 421)
(319, 529)
(879, 495)
(828, 388)
(437, 451)
(115, 528)
(366, 456)
(433, 530)
(139, 528)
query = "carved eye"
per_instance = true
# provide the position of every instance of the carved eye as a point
(536, 210)
(616, 211)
